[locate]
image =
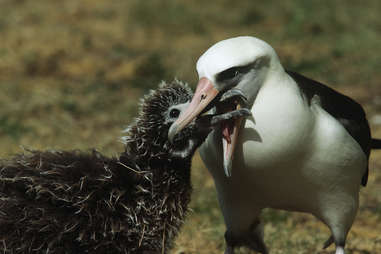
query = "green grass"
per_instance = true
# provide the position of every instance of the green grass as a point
(72, 73)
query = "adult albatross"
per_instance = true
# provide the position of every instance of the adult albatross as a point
(305, 149)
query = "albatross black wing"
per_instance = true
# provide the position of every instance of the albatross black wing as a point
(348, 112)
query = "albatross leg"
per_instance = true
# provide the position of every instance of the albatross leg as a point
(339, 219)
(230, 242)
(340, 250)
(256, 242)
(252, 239)
(229, 249)
(339, 228)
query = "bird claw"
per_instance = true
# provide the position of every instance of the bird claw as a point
(234, 94)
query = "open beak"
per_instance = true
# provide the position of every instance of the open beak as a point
(205, 93)
(229, 141)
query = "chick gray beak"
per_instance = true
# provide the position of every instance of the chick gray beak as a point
(205, 93)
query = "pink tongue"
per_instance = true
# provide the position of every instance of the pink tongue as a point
(227, 130)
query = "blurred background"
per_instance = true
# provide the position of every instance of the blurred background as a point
(72, 73)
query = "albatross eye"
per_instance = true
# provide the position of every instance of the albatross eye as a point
(174, 113)
(233, 72)
(228, 74)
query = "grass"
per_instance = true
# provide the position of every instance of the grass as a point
(72, 73)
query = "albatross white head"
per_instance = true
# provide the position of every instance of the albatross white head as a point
(242, 63)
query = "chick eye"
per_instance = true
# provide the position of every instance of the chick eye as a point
(174, 113)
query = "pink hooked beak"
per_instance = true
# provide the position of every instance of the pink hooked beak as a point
(205, 93)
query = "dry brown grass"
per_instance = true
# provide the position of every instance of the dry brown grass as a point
(71, 73)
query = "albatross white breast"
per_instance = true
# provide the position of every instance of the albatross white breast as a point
(306, 147)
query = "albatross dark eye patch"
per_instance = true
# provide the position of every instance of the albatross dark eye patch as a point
(233, 72)
(237, 71)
